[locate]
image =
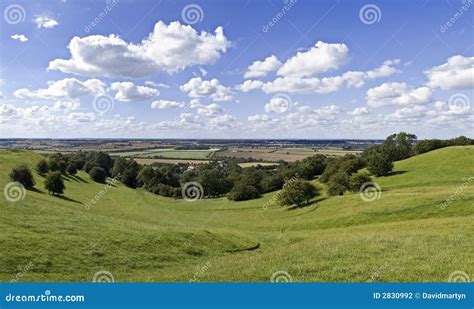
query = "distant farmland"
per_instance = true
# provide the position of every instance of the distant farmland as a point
(169, 154)
(275, 154)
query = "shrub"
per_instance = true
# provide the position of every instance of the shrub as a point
(357, 180)
(98, 174)
(242, 192)
(338, 183)
(296, 193)
(22, 174)
(42, 167)
(54, 183)
(71, 169)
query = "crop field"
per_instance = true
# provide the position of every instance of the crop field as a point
(406, 232)
(169, 154)
(148, 161)
(271, 154)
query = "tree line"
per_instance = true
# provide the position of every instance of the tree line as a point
(224, 177)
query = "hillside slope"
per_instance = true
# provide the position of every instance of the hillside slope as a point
(404, 235)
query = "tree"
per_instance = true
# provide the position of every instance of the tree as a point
(62, 166)
(71, 169)
(296, 192)
(242, 191)
(357, 180)
(338, 183)
(42, 167)
(313, 166)
(378, 161)
(22, 174)
(89, 165)
(98, 174)
(120, 164)
(54, 183)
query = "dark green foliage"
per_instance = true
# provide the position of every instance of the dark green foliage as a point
(357, 180)
(312, 166)
(338, 183)
(22, 174)
(42, 167)
(89, 165)
(296, 192)
(242, 191)
(98, 174)
(54, 183)
(71, 169)
(429, 145)
(62, 166)
(378, 161)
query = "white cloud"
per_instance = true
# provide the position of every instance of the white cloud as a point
(457, 73)
(319, 59)
(328, 110)
(197, 87)
(397, 94)
(127, 91)
(250, 85)
(168, 48)
(259, 118)
(262, 68)
(359, 111)
(277, 105)
(323, 85)
(164, 104)
(45, 22)
(19, 37)
(210, 110)
(65, 88)
(67, 106)
(156, 85)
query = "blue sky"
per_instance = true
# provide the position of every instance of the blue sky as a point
(236, 69)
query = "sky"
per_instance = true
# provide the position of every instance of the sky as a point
(236, 69)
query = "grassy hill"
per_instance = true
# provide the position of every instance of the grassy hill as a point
(404, 235)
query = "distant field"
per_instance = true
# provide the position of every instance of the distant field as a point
(149, 161)
(169, 154)
(276, 154)
(252, 164)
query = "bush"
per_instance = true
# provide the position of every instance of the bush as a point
(22, 174)
(89, 165)
(54, 183)
(42, 167)
(98, 174)
(296, 192)
(357, 180)
(71, 169)
(242, 192)
(338, 183)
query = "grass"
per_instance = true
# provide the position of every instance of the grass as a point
(405, 235)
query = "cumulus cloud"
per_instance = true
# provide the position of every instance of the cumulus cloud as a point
(359, 111)
(45, 22)
(65, 88)
(277, 105)
(210, 110)
(397, 94)
(456, 73)
(262, 68)
(168, 48)
(19, 37)
(128, 91)
(330, 84)
(319, 59)
(156, 85)
(197, 87)
(250, 85)
(164, 104)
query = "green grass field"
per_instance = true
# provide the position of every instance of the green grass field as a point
(404, 235)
